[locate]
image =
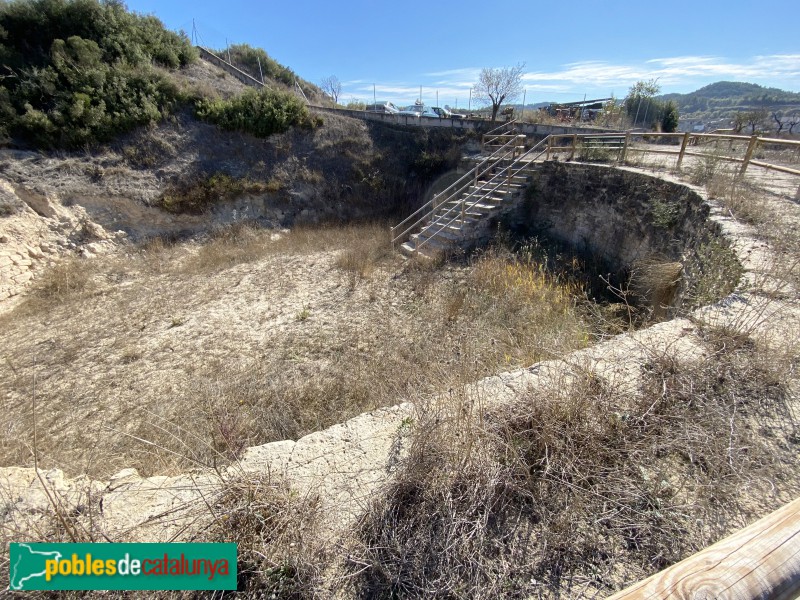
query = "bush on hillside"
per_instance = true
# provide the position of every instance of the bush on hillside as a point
(248, 58)
(258, 64)
(260, 113)
(81, 71)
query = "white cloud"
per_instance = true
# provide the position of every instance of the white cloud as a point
(778, 70)
(675, 73)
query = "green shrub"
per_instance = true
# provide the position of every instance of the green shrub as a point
(670, 117)
(84, 70)
(248, 58)
(260, 113)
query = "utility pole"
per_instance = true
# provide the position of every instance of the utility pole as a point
(524, 94)
(228, 49)
(260, 72)
(374, 97)
(469, 104)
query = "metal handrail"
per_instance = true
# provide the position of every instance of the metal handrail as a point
(461, 207)
(470, 175)
(512, 122)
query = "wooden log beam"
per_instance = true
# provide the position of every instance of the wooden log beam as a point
(780, 168)
(761, 561)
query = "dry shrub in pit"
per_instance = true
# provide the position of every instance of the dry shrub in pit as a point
(362, 254)
(63, 281)
(521, 306)
(579, 489)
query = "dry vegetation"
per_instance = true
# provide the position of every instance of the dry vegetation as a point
(180, 355)
(578, 487)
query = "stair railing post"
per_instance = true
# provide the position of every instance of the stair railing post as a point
(391, 233)
(574, 145)
(683, 151)
(549, 145)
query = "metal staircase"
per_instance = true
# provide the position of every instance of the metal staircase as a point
(461, 213)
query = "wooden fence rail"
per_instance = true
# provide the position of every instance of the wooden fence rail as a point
(685, 140)
(761, 562)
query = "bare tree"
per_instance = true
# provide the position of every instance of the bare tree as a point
(779, 124)
(498, 85)
(739, 121)
(794, 121)
(332, 87)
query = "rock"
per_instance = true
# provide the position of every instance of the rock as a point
(24, 277)
(85, 253)
(20, 261)
(34, 252)
(47, 248)
(123, 476)
(95, 230)
(3, 239)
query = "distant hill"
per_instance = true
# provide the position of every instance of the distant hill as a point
(721, 100)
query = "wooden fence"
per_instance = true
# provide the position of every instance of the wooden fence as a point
(686, 144)
(761, 561)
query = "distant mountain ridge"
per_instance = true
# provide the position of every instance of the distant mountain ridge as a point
(723, 99)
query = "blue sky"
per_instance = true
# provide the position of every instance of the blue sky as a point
(569, 49)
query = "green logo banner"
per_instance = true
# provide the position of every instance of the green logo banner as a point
(37, 566)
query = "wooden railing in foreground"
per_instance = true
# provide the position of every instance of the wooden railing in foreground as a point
(761, 561)
(624, 143)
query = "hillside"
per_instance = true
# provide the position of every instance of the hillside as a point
(80, 73)
(721, 100)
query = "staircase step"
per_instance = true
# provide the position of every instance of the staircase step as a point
(481, 207)
(436, 232)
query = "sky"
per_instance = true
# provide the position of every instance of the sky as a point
(570, 50)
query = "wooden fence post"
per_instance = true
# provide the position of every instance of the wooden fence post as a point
(574, 145)
(624, 154)
(683, 151)
(749, 154)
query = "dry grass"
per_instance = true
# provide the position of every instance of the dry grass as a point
(183, 354)
(578, 488)
(279, 553)
(751, 203)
